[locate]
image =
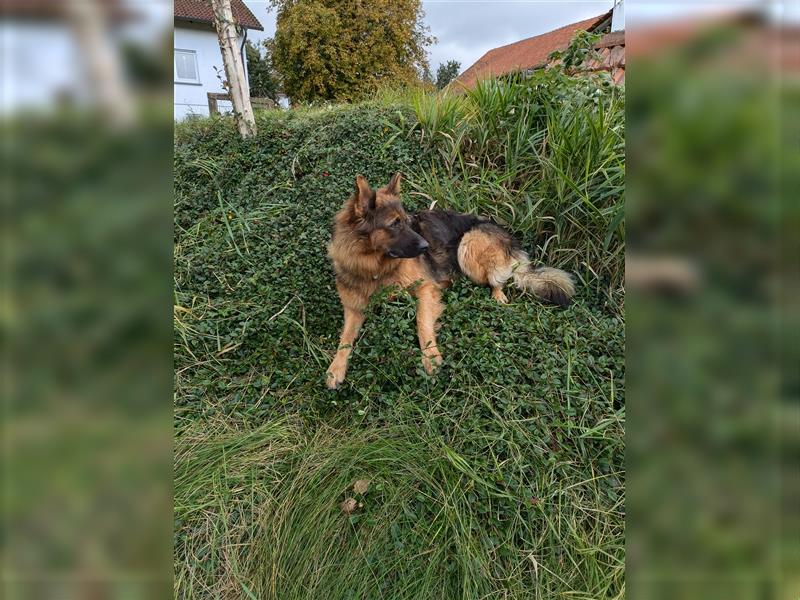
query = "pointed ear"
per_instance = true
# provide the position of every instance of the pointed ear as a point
(364, 199)
(393, 187)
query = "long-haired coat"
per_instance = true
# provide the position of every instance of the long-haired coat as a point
(376, 243)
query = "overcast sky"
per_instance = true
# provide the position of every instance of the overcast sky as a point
(466, 29)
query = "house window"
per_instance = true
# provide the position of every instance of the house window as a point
(186, 67)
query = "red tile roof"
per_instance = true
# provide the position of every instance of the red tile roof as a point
(609, 56)
(200, 11)
(525, 54)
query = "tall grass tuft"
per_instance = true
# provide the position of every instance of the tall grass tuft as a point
(259, 515)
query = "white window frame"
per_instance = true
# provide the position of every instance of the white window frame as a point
(196, 67)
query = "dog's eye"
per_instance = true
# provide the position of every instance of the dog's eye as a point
(395, 224)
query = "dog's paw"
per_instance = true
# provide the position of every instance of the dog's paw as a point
(498, 295)
(431, 361)
(333, 382)
(334, 377)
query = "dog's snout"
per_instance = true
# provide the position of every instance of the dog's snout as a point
(423, 245)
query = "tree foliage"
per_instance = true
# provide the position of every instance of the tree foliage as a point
(341, 50)
(446, 73)
(580, 50)
(264, 79)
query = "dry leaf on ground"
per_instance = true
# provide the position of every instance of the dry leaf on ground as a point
(361, 486)
(348, 506)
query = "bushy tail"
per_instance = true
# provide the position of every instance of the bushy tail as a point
(546, 283)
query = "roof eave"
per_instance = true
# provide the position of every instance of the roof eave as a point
(211, 23)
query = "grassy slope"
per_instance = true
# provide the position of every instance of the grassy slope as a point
(500, 477)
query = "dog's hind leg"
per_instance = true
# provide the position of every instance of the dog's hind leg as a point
(353, 319)
(429, 309)
(485, 258)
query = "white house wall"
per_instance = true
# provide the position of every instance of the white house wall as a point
(192, 99)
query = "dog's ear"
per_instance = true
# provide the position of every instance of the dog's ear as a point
(364, 199)
(393, 187)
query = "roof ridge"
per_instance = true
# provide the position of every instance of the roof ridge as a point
(598, 19)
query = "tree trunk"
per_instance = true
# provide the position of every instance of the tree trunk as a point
(234, 70)
(101, 62)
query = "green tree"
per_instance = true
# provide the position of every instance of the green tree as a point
(264, 79)
(342, 50)
(446, 73)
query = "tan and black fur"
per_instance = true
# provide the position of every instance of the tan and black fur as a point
(376, 243)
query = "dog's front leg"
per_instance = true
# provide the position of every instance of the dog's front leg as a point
(429, 308)
(353, 319)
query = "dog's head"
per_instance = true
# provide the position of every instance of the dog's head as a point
(379, 216)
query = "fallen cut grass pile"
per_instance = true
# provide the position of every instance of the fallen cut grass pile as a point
(501, 477)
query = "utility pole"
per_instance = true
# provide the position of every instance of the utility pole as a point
(234, 69)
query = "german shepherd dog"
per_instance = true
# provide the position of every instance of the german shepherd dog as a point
(376, 243)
